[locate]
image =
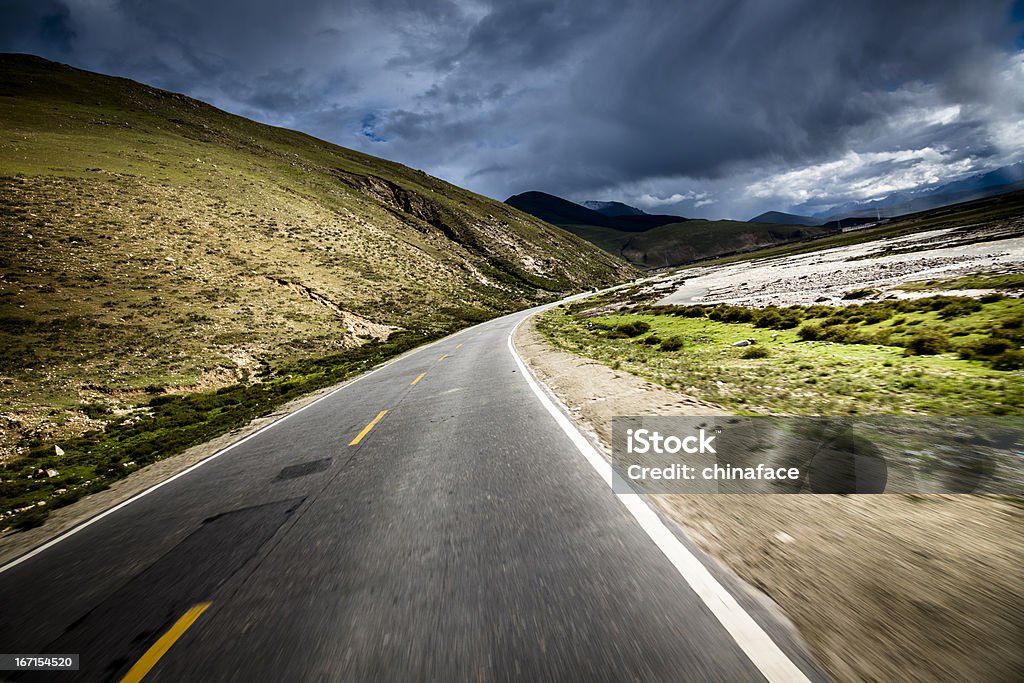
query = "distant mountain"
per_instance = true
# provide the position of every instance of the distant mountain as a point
(659, 241)
(979, 186)
(562, 212)
(778, 217)
(613, 208)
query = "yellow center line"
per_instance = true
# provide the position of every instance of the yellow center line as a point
(442, 358)
(418, 378)
(367, 428)
(459, 346)
(160, 647)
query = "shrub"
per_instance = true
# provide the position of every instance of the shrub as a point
(768, 318)
(1012, 323)
(737, 314)
(652, 340)
(30, 519)
(992, 297)
(880, 337)
(1009, 360)
(818, 311)
(633, 328)
(809, 331)
(841, 334)
(95, 411)
(672, 344)
(788, 321)
(986, 348)
(755, 352)
(957, 309)
(877, 315)
(927, 342)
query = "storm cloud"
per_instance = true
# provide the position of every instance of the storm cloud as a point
(701, 108)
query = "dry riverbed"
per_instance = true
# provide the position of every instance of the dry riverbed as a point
(827, 275)
(882, 588)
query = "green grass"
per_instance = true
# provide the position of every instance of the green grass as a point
(873, 370)
(1008, 281)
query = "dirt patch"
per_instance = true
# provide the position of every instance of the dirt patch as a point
(882, 588)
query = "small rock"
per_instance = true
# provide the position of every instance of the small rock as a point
(745, 342)
(58, 450)
(783, 537)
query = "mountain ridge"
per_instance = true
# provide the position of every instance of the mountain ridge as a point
(660, 244)
(562, 212)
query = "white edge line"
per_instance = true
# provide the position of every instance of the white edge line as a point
(762, 651)
(92, 520)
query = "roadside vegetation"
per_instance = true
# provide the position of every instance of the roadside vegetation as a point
(47, 478)
(940, 355)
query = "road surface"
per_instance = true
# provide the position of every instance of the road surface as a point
(433, 520)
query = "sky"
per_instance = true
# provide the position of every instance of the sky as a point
(713, 108)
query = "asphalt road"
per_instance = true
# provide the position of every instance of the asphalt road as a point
(464, 537)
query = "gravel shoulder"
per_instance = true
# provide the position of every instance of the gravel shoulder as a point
(882, 588)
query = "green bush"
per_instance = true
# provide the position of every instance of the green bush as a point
(841, 334)
(958, 309)
(737, 314)
(754, 352)
(877, 315)
(652, 340)
(927, 342)
(992, 297)
(818, 311)
(1009, 360)
(809, 331)
(768, 318)
(985, 348)
(672, 344)
(634, 328)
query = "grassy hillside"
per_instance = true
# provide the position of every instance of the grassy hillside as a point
(152, 244)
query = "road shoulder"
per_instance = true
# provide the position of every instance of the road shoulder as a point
(881, 587)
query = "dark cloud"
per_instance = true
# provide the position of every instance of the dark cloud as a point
(29, 26)
(722, 108)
